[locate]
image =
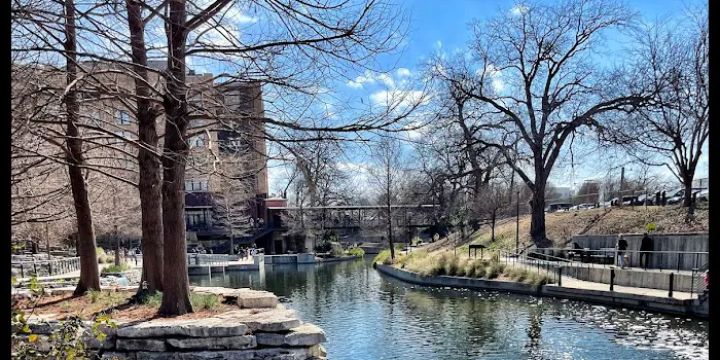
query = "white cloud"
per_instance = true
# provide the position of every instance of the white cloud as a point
(438, 44)
(519, 9)
(371, 78)
(395, 98)
(240, 17)
(403, 72)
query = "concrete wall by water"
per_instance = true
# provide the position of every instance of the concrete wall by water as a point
(684, 242)
(634, 278)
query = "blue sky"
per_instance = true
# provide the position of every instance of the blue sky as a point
(436, 25)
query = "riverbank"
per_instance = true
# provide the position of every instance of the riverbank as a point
(693, 308)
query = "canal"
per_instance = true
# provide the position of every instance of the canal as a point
(369, 316)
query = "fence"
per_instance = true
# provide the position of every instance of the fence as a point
(46, 267)
(607, 257)
(555, 265)
(210, 259)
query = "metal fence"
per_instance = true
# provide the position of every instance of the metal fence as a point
(636, 259)
(46, 267)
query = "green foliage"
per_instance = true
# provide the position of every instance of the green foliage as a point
(94, 295)
(116, 268)
(356, 251)
(204, 301)
(383, 257)
(650, 227)
(66, 342)
(153, 300)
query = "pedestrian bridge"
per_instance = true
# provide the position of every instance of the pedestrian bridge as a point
(351, 217)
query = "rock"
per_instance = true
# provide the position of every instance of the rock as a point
(208, 327)
(112, 355)
(244, 297)
(266, 320)
(215, 343)
(140, 344)
(92, 342)
(267, 354)
(303, 335)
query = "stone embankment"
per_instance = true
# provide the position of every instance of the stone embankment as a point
(260, 328)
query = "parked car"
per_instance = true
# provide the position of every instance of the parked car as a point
(558, 207)
(679, 195)
(703, 195)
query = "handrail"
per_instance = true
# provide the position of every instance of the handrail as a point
(628, 250)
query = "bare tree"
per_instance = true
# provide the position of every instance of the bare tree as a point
(387, 175)
(534, 72)
(675, 61)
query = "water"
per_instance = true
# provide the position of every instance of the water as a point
(367, 315)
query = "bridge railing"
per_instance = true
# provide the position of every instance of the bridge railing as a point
(46, 267)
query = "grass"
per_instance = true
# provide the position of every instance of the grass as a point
(562, 226)
(447, 263)
(115, 268)
(204, 301)
(356, 251)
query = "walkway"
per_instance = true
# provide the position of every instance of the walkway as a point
(571, 282)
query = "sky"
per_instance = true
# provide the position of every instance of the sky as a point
(443, 26)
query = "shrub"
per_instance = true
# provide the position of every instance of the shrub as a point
(494, 269)
(356, 251)
(204, 301)
(383, 257)
(116, 268)
(153, 300)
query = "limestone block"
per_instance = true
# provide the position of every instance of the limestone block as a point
(113, 355)
(214, 343)
(140, 344)
(303, 335)
(270, 320)
(208, 327)
(91, 342)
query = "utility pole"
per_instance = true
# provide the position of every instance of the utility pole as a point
(517, 222)
(622, 185)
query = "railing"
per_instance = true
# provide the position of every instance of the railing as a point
(552, 266)
(46, 267)
(210, 259)
(674, 260)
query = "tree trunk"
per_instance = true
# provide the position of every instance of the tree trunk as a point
(176, 287)
(537, 219)
(389, 210)
(492, 235)
(89, 273)
(687, 183)
(150, 180)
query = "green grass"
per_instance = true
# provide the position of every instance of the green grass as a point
(356, 251)
(115, 268)
(447, 263)
(204, 301)
(383, 257)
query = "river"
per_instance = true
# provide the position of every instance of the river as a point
(367, 315)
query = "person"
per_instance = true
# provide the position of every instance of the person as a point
(621, 248)
(646, 245)
(664, 198)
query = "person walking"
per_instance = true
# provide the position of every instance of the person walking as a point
(621, 248)
(646, 245)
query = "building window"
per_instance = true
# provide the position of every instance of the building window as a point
(197, 141)
(122, 117)
(195, 219)
(196, 185)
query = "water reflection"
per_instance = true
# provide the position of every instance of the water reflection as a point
(369, 316)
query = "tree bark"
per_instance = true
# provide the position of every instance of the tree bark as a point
(176, 287)
(537, 219)
(89, 273)
(389, 209)
(150, 178)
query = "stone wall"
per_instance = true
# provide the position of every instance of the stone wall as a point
(260, 328)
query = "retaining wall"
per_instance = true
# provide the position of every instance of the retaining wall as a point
(693, 308)
(635, 278)
(687, 242)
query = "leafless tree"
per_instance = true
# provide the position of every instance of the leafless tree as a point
(675, 59)
(387, 175)
(534, 71)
